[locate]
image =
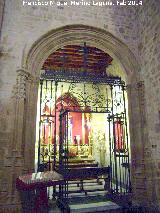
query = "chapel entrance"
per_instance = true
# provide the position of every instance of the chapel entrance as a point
(82, 121)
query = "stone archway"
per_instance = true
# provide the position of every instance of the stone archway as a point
(28, 78)
(78, 34)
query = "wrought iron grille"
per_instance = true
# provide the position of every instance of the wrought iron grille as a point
(61, 93)
(74, 76)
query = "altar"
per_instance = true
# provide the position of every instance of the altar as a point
(77, 140)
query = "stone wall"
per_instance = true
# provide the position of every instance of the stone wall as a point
(148, 47)
(24, 25)
(2, 5)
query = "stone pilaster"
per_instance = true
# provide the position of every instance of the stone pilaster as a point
(136, 124)
(19, 97)
(14, 159)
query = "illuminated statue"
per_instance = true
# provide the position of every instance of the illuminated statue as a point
(100, 147)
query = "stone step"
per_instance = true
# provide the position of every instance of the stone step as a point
(105, 206)
(83, 195)
(86, 187)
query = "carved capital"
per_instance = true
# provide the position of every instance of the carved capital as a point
(141, 93)
(19, 90)
(135, 86)
(140, 84)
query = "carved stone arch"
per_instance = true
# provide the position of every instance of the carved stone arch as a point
(78, 34)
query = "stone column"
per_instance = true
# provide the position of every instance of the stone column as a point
(137, 123)
(145, 167)
(151, 153)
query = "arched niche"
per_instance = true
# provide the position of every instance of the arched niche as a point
(78, 34)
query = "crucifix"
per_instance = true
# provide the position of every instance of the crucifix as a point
(64, 59)
(85, 54)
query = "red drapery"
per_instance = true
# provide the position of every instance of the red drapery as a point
(75, 119)
(119, 135)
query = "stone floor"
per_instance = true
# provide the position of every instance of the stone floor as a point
(95, 207)
(55, 210)
(106, 206)
(93, 202)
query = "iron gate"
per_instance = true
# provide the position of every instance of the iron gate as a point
(119, 143)
(63, 152)
(53, 121)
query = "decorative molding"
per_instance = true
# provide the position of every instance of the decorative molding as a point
(140, 84)
(141, 96)
(36, 53)
(15, 159)
(19, 90)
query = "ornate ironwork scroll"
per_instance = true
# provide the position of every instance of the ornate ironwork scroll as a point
(56, 98)
(74, 76)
